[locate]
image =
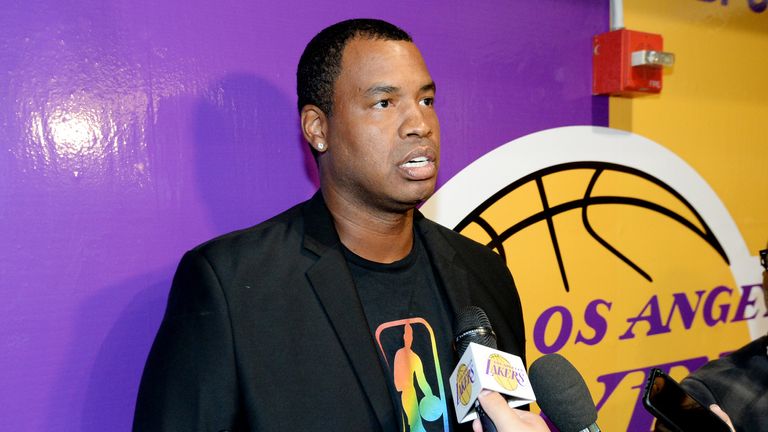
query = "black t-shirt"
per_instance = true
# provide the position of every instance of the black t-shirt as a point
(410, 320)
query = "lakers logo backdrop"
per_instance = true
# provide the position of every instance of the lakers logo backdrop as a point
(624, 257)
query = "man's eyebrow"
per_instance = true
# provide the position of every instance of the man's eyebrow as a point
(388, 89)
(381, 89)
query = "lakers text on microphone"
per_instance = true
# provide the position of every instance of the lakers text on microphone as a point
(483, 368)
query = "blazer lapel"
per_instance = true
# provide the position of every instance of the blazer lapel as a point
(450, 272)
(335, 289)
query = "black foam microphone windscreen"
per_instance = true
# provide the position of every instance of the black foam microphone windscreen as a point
(562, 394)
(472, 325)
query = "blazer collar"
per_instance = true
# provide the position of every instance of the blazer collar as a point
(446, 263)
(319, 231)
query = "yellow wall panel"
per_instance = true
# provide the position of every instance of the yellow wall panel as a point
(713, 110)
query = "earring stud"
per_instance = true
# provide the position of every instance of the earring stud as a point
(321, 146)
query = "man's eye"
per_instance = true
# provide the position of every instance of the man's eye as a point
(428, 101)
(382, 103)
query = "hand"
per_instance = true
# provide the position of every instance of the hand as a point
(508, 419)
(715, 408)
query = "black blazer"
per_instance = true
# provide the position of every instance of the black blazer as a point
(264, 329)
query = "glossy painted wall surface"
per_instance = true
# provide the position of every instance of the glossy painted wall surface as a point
(132, 131)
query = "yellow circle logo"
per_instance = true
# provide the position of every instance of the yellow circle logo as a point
(623, 257)
(499, 368)
(464, 380)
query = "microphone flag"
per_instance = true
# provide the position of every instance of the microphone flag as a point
(483, 368)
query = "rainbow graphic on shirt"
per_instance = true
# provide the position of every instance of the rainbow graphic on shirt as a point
(421, 403)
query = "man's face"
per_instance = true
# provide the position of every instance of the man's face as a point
(383, 136)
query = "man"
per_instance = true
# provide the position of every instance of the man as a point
(294, 324)
(738, 382)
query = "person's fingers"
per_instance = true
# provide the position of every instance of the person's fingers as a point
(715, 408)
(528, 417)
(497, 409)
(533, 422)
(476, 425)
(508, 419)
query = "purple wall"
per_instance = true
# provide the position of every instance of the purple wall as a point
(130, 131)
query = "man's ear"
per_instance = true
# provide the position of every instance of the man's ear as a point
(314, 127)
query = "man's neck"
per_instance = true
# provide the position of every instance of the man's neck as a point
(378, 236)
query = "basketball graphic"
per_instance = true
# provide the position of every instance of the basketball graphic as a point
(431, 407)
(624, 258)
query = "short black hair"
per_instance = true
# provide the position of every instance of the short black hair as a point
(320, 63)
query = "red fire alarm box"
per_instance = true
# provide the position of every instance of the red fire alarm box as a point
(628, 63)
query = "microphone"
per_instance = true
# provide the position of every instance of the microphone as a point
(563, 395)
(482, 366)
(473, 325)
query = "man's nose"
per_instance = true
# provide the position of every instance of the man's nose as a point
(417, 121)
